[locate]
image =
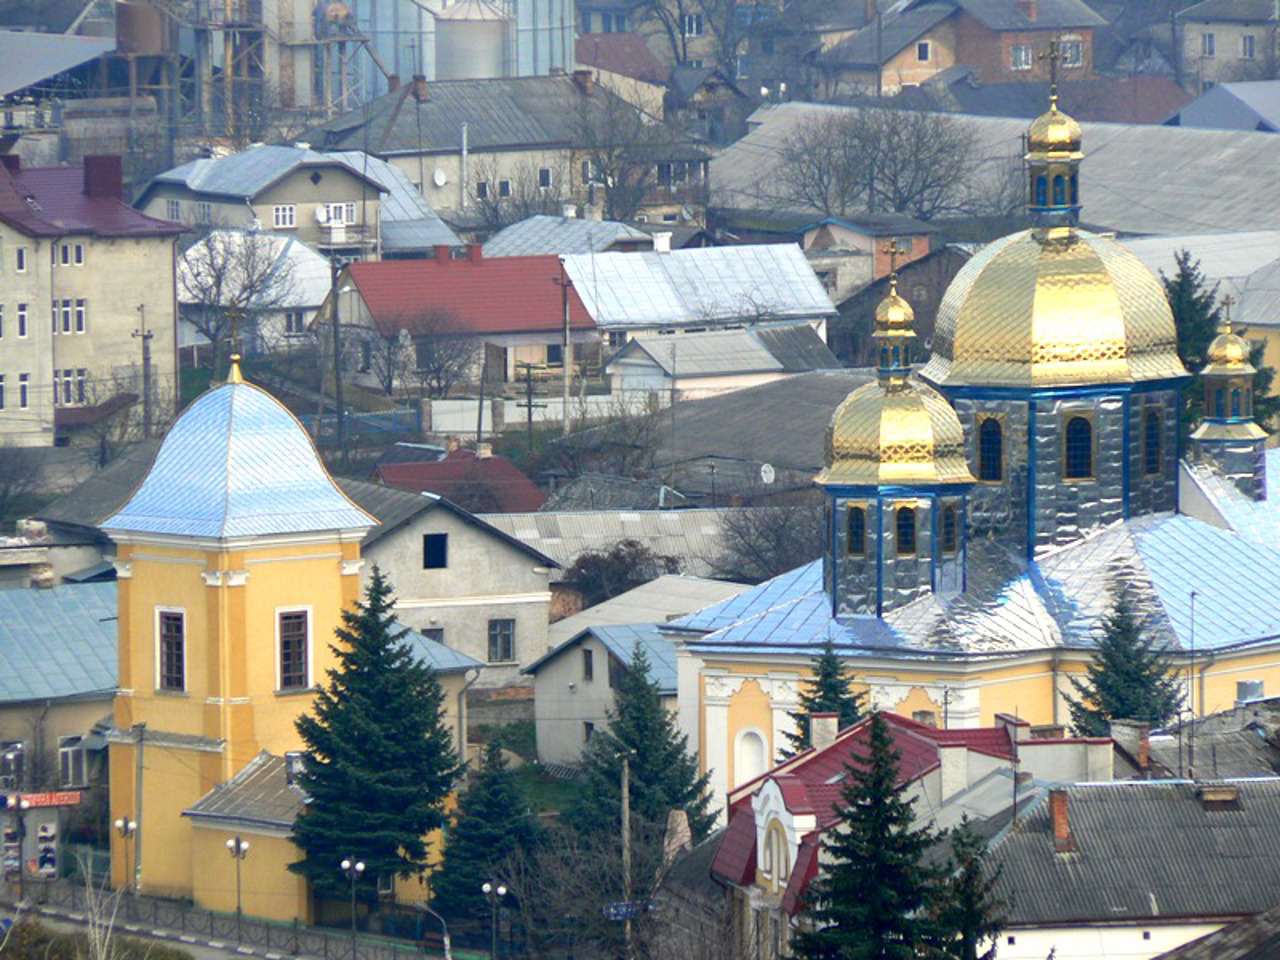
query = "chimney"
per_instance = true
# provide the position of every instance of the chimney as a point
(12, 162)
(954, 761)
(1027, 8)
(484, 451)
(420, 88)
(822, 729)
(393, 83)
(1134, 738)
(662, 241)
(569, 211)
(104, 176)
(301, 145)
(42, 577)
(593, 211)
(1063, 842)
(475, 252)
(443, 252)
(586, 81)
(451, 445)
(1218, 796)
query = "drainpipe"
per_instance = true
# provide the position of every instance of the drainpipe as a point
(462, 713)
(462, 180)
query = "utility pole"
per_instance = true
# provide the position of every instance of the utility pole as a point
(145, 335)
(140, 729)
(337, 356)
(1191, 694)
(626, 853)
(565, 283)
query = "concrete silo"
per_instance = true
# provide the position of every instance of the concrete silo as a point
(471, 41)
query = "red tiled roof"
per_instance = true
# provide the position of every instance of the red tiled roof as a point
(804, 870)
(456, 476)
(736, 856)
(51, 202)
(622, 53)
(501, 295)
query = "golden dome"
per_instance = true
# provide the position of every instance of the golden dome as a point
(898, 432)
(1054, 132)
(1228, 354)
(894, 315)
(1034, 309)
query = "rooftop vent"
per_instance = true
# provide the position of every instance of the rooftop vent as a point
(1218, 796)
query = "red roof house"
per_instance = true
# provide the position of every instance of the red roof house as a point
(480, 483)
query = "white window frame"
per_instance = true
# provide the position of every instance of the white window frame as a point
(1020, 56)
(82, 315)
(544, 173)
(66, 255)
(1, 391)
(186, 650)
(927, 48)
(691, 25)
(1208, 45)
(173, 209)
(79, 255)
(289, 317)
(20, 259)
(82, 380)
(22, 320)
(71, 749)
(351, 214)
(482, 189)
(1072, 50)
(24, 391)
(311, 623)
(1248, 47)
(204, 211)
(284, 216)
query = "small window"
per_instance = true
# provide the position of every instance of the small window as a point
(24, 391)
(293, 650)
(173, 667)
(906, 523)
(502, 641)
(1235, 402)
(588, 728)
(71, 762)
(66, 306)
(66, 254)
(857, 532)
(204, 211)
(1247, 47)
(435, 551)
(20, 256)
(544, 177)
(692, 24)
(82, 376)
(22, 320)
(949, 530)
(351, 213)
(366, 356)
(435, 634)
(1020, 56)
(1206, 45)
(1, 391)
(1042, 191)
(922, 51)
(928, 717)
(1079, 449)
(386, 884)
(12, 755)
(295, 323)
(482, 189)
(504, 189)
(283, 216)
(1059, 191)
(588, 667)
(1219, 403)
(79, 254)
(990, 451)
(1072, 52)
(172, 209)
(81, 316)
(1151, 441)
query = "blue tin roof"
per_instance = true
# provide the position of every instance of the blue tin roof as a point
(436, 655)
(621, 641)
(237, 463)
(57, 643)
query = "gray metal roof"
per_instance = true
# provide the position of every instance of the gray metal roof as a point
(1234, 106)
(694, 537)
(621, 641)
(296, 277)
(1228, 754)
(545, 234)
(772, 348)
(26, 58)
(1144, 851)
(1238, 11)
(407, 221)
(1135, 178)
(1255, 520)
(237, 463)
(698, 285)
(249, 172)
(1257, 938)
(1049, 14)
(898, 29)
(659, 600)
(436, 655)
(259, 795)
(58, 643)
(595, 491)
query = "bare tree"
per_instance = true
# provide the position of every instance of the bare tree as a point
(390, 359)
(116, 410)
(669, 18)
(879, 161)
(763, 542)
(445, 353)
(623, 443)
(19, 475)
(227, 276)
(510, 196)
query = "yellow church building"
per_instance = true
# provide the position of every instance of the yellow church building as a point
(983, 511)
(235, 557)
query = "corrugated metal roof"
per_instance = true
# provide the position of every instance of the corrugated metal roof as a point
(59, 642)
(436, 655)
(249, 172)
(698, 285)
(26, 58)
(259, 794)
(898, 29)
(622, 640)
(1242, 11)
(237, 463)
(1257, 938)
(543, 233)
(1047, 15)
(407, 221)
(694, 537)
(1135, 178)
(1256, 520)
(660, 600)
(279, 271)
(1143, 851)
(773, 348)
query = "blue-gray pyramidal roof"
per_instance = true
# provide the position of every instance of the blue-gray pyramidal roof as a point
(237, 464)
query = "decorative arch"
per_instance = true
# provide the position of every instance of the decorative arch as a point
(1078, 462)
(750, 755)
(949, 534)
(990, 451)
(857, 532)
(905, 521)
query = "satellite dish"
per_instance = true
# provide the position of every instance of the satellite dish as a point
(322, 214)
(439, 178)
(767, 474)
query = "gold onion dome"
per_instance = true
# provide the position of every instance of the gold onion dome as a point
(1054, 132)
(894, 314)
(1075, 309)
(1228, 354)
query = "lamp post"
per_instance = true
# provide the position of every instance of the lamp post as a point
(239, 849)
(353, 869)
(495, 892)
(337, 363)
(20, 806)
(448, 951)
(126, 828)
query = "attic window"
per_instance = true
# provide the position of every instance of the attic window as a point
(1218, 796)
(316, 177)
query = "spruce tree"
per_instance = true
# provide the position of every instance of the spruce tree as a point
(969, 913)
(1196, 315)
(1129, 677)
(664, 775)
(493, 821)
(872, 899)
(827, 692)
(379, 760)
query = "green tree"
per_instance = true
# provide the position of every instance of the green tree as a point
(873, 897)
(664, 775)
(1196, 316)
(969, 913)
(379, 760)
(1265, 404)
(1129, 677)
(493, 821)
(827, 692)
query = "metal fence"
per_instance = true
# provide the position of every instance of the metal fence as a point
(288, 939)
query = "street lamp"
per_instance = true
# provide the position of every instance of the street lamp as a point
(448, 951)
(353, 869)
(126, 828)
(20, 806)
(494, 892)
(239, 849)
